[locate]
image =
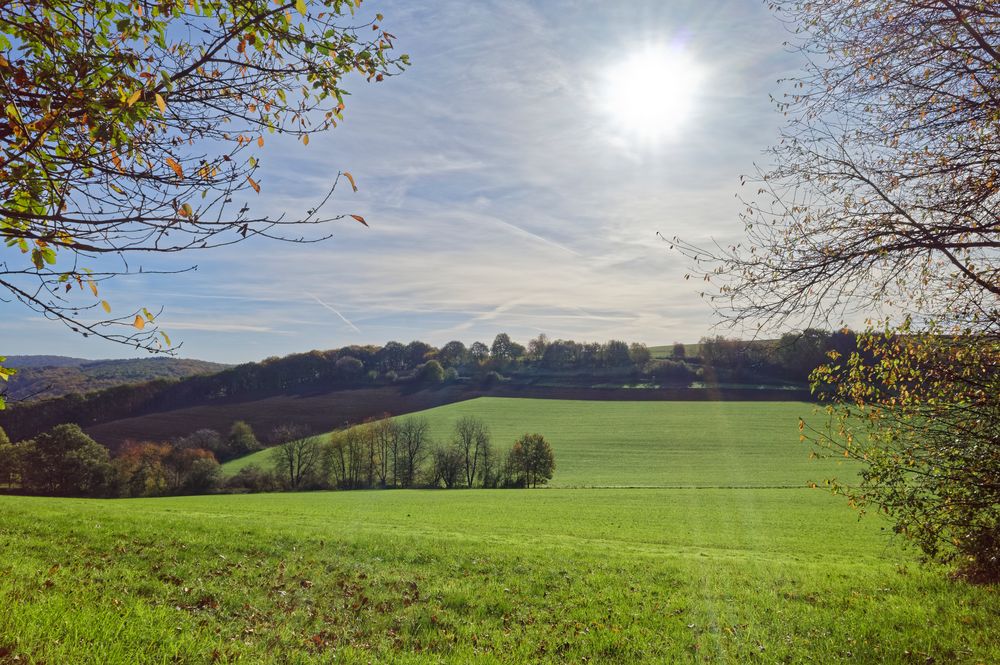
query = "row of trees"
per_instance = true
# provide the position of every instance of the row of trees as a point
(64, 461)
(793, 356)
(388, 453)
(383, 453)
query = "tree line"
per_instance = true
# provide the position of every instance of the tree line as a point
(65, 461)
(401, 453)
(419, 363)
(384, 453)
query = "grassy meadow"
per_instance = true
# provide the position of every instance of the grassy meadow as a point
(710, 567)
(647, 444)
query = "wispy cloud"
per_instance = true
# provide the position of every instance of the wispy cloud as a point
(498, 195)
(221, 326)
(335, 311)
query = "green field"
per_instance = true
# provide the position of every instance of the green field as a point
(666, 351)
(731, 573)
(647, 444)
(492, 576)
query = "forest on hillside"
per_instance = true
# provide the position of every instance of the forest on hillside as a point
(541, 362)
(45, 377)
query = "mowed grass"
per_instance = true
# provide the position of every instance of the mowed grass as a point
(648, 444)
(571, 575)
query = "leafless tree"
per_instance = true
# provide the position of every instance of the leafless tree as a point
(297, 457)
(413, 448)
(883, 194)
(471, 438)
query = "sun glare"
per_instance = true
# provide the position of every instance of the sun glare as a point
(651, 95)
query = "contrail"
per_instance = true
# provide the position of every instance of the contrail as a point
(329, 307)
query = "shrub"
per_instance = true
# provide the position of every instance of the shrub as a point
(430, 373)
(252, 478)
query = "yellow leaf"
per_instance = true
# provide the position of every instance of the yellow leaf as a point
(360, 219)
(106, 306)
(347, 174)
(93, 286)
(305, 139)
(253, 184)
(139, 323)
(172, 163)
(162, 104)
(135, 97)
(301, 6)
(166, 338)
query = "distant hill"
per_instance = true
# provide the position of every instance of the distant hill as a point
(42, 377)
(18, 362)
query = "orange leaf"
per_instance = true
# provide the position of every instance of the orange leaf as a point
(360, 219)
(253, 184)
(260, 141)
(139, 323)
(347, 174)
(172, 163)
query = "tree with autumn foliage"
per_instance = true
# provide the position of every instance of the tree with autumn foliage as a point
(530, 461)
(136, 127)
(921, 413)
(883, 201)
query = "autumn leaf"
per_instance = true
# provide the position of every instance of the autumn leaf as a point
(172, 163)
(135, 97)
(162, 104)
(93, 286)
(360, 219)
(106, 306)
(350, 178)
(139, 323)
(260, 141)
(305, 139)
(253, 184)
(301, 6)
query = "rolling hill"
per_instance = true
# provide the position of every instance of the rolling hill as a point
(644, 443)
(42, 377)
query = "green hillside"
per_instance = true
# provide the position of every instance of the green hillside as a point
(501, 576)
(647, 444)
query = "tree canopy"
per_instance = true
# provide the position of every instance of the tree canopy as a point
(884, 192)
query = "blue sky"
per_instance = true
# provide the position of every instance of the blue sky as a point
(502, 189)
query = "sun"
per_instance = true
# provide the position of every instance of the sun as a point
(651, 95)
